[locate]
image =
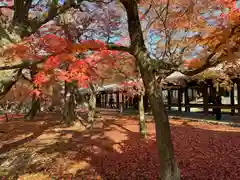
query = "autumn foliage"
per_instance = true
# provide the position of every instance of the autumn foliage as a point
(60, 60)
(187, 24)
(133, 87)
(193, 63)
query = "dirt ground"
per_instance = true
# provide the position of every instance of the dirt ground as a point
(112, 149)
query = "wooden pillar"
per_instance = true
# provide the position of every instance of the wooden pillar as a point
(169, 96)
(232, 100)
(186, 97)
(106, 100)
(214, 93)
(205, 98)
(102, 100)
(192, 94)
(127, 101)
(123, 101)
(214, 96)
(210, 89)
(130, 101)
(180, 100)
(98, 100)
(100, 97)
(238, 96)
(117, 99)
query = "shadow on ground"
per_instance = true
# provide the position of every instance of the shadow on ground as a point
(113, 149)
(17, 132)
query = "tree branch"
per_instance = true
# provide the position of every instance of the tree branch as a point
(21, 9)
(26, 78)
(24, 64)
(118, 47)
(53, 12)
(208, 63)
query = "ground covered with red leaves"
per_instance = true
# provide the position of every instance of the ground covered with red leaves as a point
(113, 150)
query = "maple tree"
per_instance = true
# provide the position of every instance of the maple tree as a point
(109, 66)
(135, 88)
(88, 71)
(218, 42)
(173, 17)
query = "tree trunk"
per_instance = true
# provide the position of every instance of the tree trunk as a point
(56, 97)
(35, 108)
(69, 105)
(91, 107)
(142, 125)
(168, 169)
(168, 166)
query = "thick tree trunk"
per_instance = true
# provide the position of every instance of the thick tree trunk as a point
(57, 97)
(69, 105)
(35, 108)
(168, 169)
(91, 107)
(168, 166)
(142, 124)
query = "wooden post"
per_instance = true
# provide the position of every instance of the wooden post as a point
(126, 101)
(210, 89)
(180, 100)
(100, 99)
(169, 99)
(205, 98)
(232, 100)
(214, 93)
(131, 101)
(106, 100)
(214, 96)
(186, 97)
(238, 96)
(192, 91)
(123, 101)
(117, 99)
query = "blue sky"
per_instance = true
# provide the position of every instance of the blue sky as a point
(152, 37)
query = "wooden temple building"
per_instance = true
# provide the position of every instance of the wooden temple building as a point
(180, 94)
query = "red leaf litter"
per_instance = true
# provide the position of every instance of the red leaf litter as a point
(203, 152)
(113, 149)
